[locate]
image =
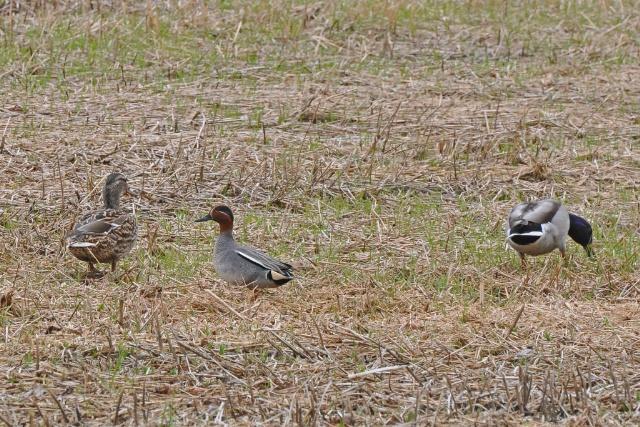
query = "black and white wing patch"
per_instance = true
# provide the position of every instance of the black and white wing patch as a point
(525, 234)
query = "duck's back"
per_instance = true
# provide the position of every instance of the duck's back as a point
(540, 212)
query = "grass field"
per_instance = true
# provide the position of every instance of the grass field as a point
(377, 146)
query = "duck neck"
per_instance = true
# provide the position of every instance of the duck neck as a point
(111, 198)
(226, 229)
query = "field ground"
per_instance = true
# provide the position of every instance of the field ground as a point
(376, 145)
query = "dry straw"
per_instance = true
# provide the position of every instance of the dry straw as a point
(379, 153)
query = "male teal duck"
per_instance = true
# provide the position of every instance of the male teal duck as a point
(537, 228)
(105, 235)
(243, 265)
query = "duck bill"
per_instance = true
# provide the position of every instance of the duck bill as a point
(589, 250)
(207, 217)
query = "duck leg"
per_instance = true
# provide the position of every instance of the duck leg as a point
(254, 294)
(563, 254)
(523, 261)
(113, 265)
(93, 272)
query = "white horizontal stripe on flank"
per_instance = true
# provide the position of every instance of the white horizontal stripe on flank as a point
(530, 233)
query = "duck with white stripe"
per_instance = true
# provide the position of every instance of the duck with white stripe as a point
(537, 228)
(243, 265)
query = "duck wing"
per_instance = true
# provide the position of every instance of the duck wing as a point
(262, 260)
(539, 212)
(96, 226)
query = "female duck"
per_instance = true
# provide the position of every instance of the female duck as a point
(539, 227)
(108, 234)
(243, 265)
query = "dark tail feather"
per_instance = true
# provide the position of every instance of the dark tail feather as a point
(580, 231)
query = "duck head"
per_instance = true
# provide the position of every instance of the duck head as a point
(580, 231)
(222, 215)
(114, 187)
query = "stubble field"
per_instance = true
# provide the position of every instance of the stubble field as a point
(378, 147)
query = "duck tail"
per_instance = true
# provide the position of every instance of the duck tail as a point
(580, 231)
(278, 278)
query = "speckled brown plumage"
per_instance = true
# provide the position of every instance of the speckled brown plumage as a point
(108, 234)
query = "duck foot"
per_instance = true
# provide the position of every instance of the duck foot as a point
(94, 273)
(254, 293)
